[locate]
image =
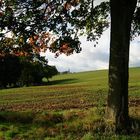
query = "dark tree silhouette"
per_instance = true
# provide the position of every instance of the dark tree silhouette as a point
(10, 70)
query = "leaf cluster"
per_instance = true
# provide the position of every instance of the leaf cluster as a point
(65, 19)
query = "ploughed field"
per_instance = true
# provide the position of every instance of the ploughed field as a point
(67, 91)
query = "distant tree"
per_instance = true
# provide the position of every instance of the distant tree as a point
(26, 77)
(50, 71)
(47, 70)
(65, 72)
(37, 73)
(31, 72)
(34, 71)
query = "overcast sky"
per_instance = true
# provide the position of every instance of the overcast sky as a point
(92, 58)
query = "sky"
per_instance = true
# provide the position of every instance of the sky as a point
(92, 58)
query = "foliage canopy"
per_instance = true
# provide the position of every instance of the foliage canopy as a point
(37, 25)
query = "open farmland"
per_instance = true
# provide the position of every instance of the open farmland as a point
(77, 90)
(70, 107)
(69, 91)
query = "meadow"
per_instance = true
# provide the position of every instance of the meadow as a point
(69, 107)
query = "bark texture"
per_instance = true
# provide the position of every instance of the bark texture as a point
(121, 18)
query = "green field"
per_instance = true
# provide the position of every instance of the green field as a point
(69, 107)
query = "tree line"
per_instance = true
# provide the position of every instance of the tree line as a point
(21, 71)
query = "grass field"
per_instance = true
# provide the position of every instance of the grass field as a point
(70, 107)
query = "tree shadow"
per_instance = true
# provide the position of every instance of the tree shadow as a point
(62, 81)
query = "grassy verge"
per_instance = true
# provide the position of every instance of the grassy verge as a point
(86, 124)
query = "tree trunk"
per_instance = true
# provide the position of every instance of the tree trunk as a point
(121, 18)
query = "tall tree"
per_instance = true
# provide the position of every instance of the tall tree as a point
(122, 12)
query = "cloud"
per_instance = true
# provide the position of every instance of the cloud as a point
(92, 58)
(134, 53)
(97, 2)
